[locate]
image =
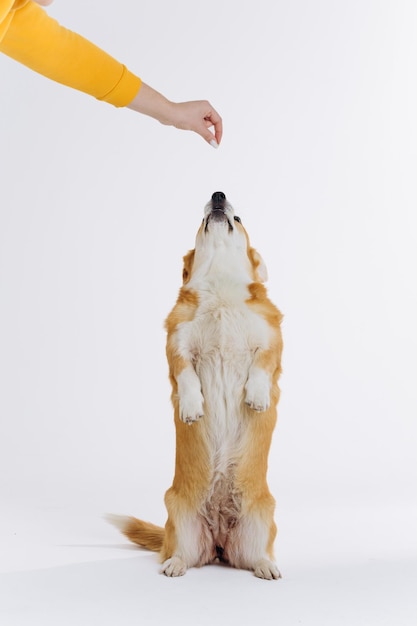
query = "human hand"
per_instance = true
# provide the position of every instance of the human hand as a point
(198, 116)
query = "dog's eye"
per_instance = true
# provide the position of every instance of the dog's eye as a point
(237, 219)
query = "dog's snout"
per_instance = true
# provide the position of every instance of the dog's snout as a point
(218, 198)
(217, 210)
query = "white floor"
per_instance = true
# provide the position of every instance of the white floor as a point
(353, 565)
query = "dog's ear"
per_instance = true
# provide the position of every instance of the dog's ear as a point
(188, 266)
(259, 267)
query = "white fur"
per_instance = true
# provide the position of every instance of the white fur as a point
(119, 521)
(265, 568)
(223, 339)
(190, 396)
(258, 389)
(173, 567)
(252, 535)
(188, 530)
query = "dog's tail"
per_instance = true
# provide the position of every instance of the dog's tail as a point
(143, 533)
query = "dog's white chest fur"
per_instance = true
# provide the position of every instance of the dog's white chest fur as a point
(221, 342)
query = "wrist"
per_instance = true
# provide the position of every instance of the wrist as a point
(150, 102)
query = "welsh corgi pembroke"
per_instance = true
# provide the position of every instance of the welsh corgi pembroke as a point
(224, 349)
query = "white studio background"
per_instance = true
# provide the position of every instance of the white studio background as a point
(97, 208)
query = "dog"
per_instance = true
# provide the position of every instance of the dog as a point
(224, 348)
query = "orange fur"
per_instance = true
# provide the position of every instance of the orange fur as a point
(219, 504)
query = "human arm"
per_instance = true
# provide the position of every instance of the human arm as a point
(36, 40)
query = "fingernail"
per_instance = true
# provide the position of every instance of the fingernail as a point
(214, 143)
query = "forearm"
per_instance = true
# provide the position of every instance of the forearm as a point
(39, 42)
(150, 102)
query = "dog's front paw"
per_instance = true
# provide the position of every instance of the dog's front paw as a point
(258, 390)
(191, 406)
(174, 567)
(189, 396)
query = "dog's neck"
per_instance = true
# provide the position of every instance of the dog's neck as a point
(222, 271)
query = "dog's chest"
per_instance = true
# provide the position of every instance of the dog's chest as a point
(224, 329)
(221, 341)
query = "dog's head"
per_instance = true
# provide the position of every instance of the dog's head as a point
(222, 247)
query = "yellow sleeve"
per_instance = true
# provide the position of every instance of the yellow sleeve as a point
(39, 42)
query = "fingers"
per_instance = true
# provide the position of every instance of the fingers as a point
(200, 117)
(197, 115)
(213, 119)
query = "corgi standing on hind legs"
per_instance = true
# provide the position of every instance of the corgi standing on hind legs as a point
(224, 349)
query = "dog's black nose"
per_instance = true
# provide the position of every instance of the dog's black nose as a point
(218, 197)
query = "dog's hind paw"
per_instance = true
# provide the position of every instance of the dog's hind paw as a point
(174, 567)
(267, 570)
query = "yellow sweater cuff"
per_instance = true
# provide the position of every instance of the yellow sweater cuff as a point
(124, 91)
(39, 42)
